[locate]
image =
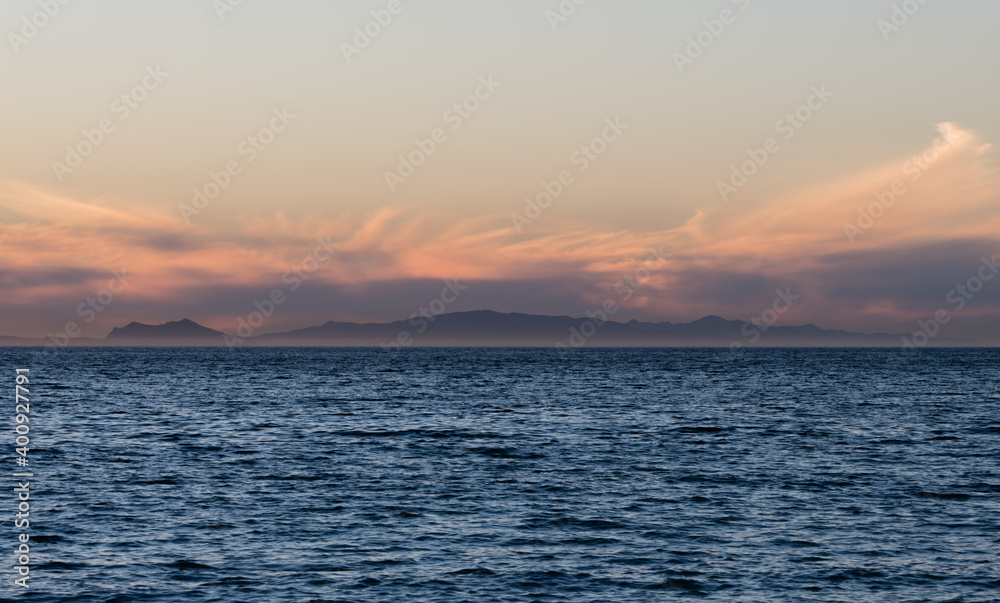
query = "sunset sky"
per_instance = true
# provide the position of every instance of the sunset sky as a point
(299, 123)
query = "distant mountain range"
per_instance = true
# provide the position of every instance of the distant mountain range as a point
(488, 328)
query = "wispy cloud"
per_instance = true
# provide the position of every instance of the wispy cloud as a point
(724, 260)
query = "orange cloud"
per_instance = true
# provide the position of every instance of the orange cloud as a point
(947, 192)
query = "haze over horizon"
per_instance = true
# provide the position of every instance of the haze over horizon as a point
(487, 328)
(808, 158)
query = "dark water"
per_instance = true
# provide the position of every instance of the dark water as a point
(511, 475)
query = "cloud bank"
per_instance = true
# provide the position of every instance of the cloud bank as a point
(874, 250)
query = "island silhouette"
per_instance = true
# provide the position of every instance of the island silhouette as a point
(495, 329)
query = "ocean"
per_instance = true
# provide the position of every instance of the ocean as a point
(520, 475)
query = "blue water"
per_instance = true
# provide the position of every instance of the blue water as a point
(511, 475)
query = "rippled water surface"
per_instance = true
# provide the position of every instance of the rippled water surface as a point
(511, 475)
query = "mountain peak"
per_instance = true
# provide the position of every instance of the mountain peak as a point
(179, 330)
(711, 319)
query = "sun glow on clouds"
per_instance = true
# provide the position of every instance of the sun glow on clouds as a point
(952, 196)
(724, 260)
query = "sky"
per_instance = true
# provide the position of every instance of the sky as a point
(190, 158)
